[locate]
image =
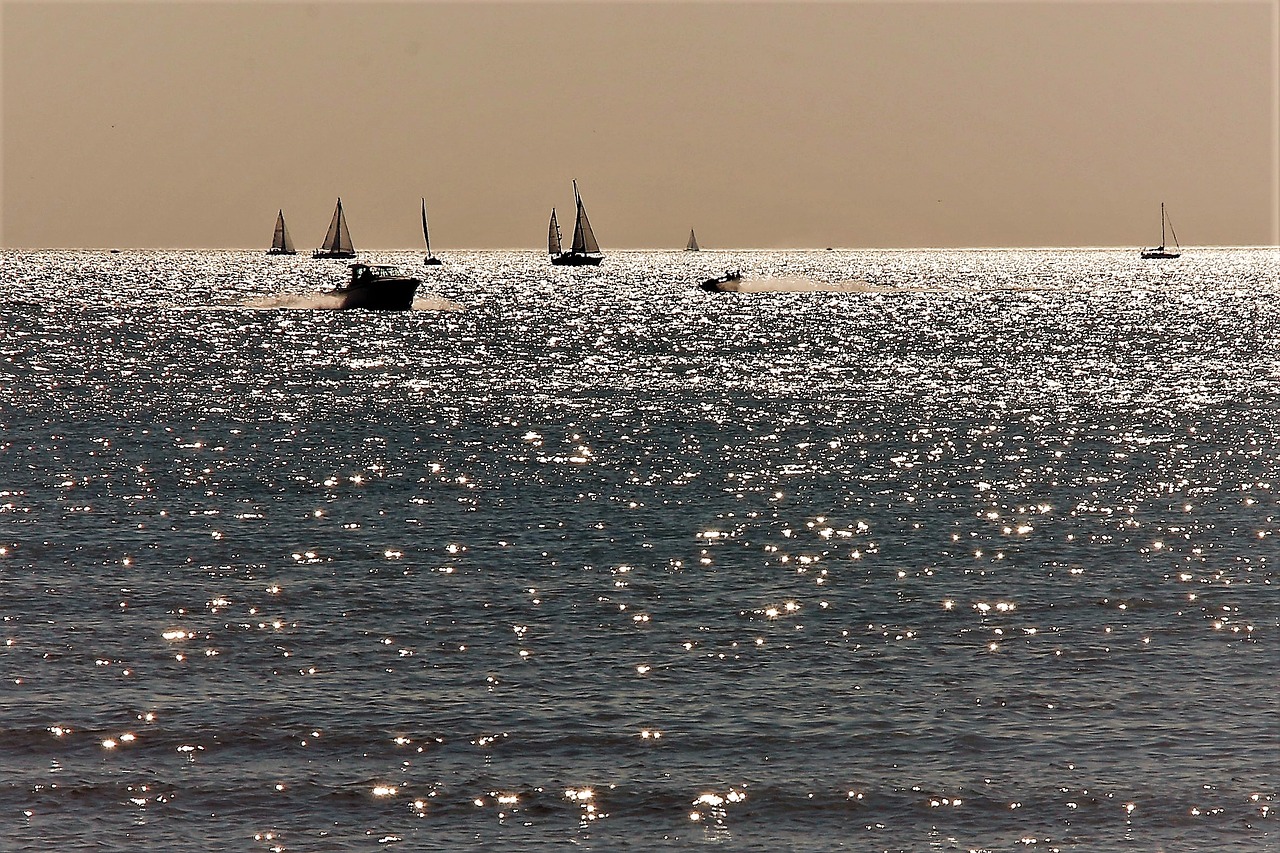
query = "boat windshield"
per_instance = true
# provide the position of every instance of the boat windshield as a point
(367, 271)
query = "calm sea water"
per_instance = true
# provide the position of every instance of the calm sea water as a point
(982, 558)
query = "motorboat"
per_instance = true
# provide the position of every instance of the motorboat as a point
(377, 288)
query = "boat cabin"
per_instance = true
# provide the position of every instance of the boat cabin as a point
(363, 275)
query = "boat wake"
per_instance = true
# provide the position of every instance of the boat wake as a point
(436, 303)
(321, 301)
(333, 301)
(799, 284)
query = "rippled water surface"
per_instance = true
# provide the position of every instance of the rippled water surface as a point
(981, 556)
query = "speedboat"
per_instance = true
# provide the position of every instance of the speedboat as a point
(724, 283)
(377, 288)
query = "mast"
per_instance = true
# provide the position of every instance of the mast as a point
(331, 239)
(1161, 225)
(286, 243)
(584, 240)
(344, 236)
(337, 242)
(553, 235)
(578, 244)
(280, 242)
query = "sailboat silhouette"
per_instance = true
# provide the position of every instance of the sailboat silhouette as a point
(584, 251)
(337, 243)
(280, 242)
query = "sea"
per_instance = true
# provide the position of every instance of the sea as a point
(898, 551)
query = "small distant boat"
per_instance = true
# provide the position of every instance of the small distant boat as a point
(693, 243)
(1160, 252)
(337, 243)
(377, 288)
(723, 284)
(430, 260)
(280, 243)
(585, 251)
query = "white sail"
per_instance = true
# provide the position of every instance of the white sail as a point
(553, 235)
(584, 240)
(338, 240)
(280, 242)
(693, 242)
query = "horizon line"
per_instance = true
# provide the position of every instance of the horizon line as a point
(306, 252)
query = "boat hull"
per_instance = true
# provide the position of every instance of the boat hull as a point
(432, 262)
(386, 294)
(281, 252)
(570, 259)
(338, 255)
(727, 283)
(1159, 254)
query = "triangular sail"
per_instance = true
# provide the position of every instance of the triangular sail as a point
(339, 238)
(425, 235)
(1163, 219)
(553, 235)
(584, 240)
(693, 242)
(280, 241)
(1166, 230)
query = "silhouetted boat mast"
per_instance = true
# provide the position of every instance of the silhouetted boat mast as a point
(584, 251)
(337, 243)
(1161, 252)
(430, 260)
(280, 242)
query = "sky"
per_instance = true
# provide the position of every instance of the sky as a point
(770, 125)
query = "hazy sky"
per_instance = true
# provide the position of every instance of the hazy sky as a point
(794, 124)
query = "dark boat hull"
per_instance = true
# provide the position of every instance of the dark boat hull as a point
(727, 283)
(432, 261)
(387, 294)
(321, 253)
(1158, 254)
(569, 259)
(280, 252)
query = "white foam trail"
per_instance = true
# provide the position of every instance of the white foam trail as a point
(331, 301)
(321, 301)
(436, 303)
(800, 284)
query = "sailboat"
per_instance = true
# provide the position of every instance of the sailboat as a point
(1161, 251)
(337, 243)
(585, 251)
(280, 242)
(553, 237)
(693, 243)
(430, 260)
